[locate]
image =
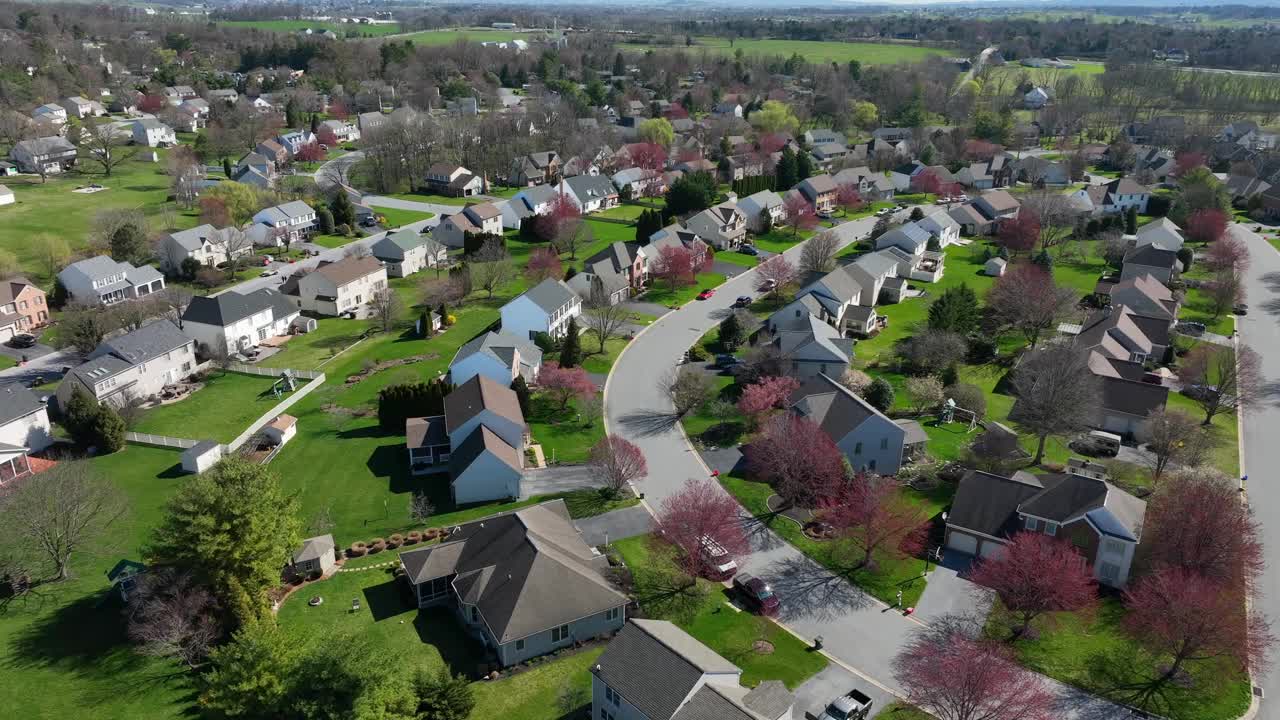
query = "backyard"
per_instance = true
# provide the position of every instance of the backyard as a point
(221, 410)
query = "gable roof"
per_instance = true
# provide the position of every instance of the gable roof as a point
(16, 402)
(835, 409)
(712, 702)
(654, 665)
(526, 571)
(1163, 233)
(1070, 496)
(589, 187)
(477, 395)
(500, 346)
(550, 294)
(314, 548)
(147, 342)
(1000, 200)
(808, 338)
(988, 503)
(1151, 256)
(194, 238)
(816, 185)
(479, 442)
(349, 268)
(1126, 186)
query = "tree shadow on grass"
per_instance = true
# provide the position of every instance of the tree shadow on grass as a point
(648, 423)
(1127, 674)
(387, 599)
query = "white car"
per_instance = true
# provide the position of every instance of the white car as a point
(270, 272)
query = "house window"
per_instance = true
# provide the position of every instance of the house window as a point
(872, 465)
(857, 449)
(1050, 528)
(1109, 571)
(611, 614)
(1113, 547)
(520, 644)
(884, 443)
(1033, 524)
(560, 634)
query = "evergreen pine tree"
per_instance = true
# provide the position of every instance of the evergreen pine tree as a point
(343, 212)
(79, 415)
(108, 431)
(443, 312)
(571, 346)
(804, 166)
(425, 321)
(730, 332)
(521, 389)
(1131, 221)
(786, 170)
(226, 166)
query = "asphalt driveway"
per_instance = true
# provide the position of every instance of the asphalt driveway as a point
(557, 479)
(948, 592)
(615, 525)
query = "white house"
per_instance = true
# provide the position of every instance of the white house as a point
(295, 220)
(294, 141)
(1117, 196)
(1163, 233)
(723, 225)
(755, 205)
(205, 244)
(941, 226)
(51, 155)
(102, 280)
(591, 193)
(79, 107)
(335, 288)
(136, 365)
(51, 113)
(453, 180)
(153, 133)
(653, 670)
(342, 130)
(867, 437)
(6, 196)
(408, 251)
(233, 322)
(544, 308)
(477, 219)
(501, 357)
(24, 428)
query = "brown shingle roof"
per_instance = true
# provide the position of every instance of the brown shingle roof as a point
(477, 395)
(349, 269)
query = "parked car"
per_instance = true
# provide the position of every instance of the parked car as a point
(768, 285)
(22, 340)
(725, 361)
(270, 272)
(756, 594)
(855, 705)
(883, 211)
(742, 301)
(1190, 327)
(707, 294)
(749, 250)
(1096, 443)
(1240, 309)
(720, 565)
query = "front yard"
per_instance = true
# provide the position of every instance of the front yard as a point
(662, 293)
(399, 218)
(759, 646)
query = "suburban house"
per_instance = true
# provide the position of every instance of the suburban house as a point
(724, 226)
(315, 556)
(342, 130)
(612, 274)
(45, 155)
(1143, 295)
(453, 181)
(294, 220)
(1117, 196)
(811, 346)
(985, 175)
(1035, 98)
(1119, 333)
(590, 193)
(823, 135)
(827, 154)
(335, 288)
(904, 175)
(234, 322)
(293, 142)
(727, 109)
(501, 357)
(872, 186)
(1163, 265)
(268, 150)
(873, 272)
(653, 670)
(1153, 161)
(50, 113)
(205, 244)
(535, 169)
(524, 583)
(229, 95)
(487, 435)
(674, 235)
(639, 182)
(1101, 521)
(820, 191)
(1162, 233)
(153, 133)
(476, 219)
(754, 207)
(23, 306)
(1245, 187)
(971, 221)
(408, 251)
(24, 429)
(1038, 171)
(81, 108)
(543, 308)
(830, 297)
(997, 205)
(909, 244)
(175, 94)
(537, 199)
(941, 227)
(196, 108)
(102, 280)
(132, 366)
(867, 437)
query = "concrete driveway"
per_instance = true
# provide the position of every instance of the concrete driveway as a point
(949, 593)
(615, 525)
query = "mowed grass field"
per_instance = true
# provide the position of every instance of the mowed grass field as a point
(54, 208)
(815, 51)
(295, 25)
(449, 37)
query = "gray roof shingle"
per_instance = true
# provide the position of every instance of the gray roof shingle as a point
(654, 665)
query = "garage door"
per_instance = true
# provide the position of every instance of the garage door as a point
(6, 333)
(960, 542)
(991, 549)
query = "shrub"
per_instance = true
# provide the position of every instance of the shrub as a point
(413, 538)
(395, 541)
(344, 230)
(697, 352)
(357, 549)
(377, 545)
(313, 575)
(449, 320)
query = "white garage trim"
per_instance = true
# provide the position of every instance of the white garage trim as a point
(961, 542)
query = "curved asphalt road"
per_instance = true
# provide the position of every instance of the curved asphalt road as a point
(858, 630)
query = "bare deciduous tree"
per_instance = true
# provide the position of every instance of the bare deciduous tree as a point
(688, 389)
(49, 521)
(819, 253)
(1057, 392)
(385, 307)
(107, 146)
(171, 615)
(491, 267)
(1173, 437)
(421, 508)
(604, 318)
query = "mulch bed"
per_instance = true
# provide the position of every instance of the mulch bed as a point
(798, 515)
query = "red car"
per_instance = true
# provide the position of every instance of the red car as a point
(756, 593)
(706, 294)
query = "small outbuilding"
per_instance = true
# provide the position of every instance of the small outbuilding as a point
(124, 576)
(201, 456)
(315, 555)
(6, 196)
(995, 267)
(282, 429)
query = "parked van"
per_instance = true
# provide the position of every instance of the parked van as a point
(1102, 443)
(720, 565)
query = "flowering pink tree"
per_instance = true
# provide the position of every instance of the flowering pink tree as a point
(953, 674)
(1196, 522)
(766, 395)
(798, 213)
(338, 109)
(543, 263)
(877, 517)
(1207, 225)
(648, 156)
(848, 198)
(1037, 574)
(674, 265)
(311, 152)
(1186, 161)
(1019, 233)
(774, 274)
(565, 384)
(1229, 253)
(980, 149)
(795, 456)
(327, 137)
(702, 509)
(561, 213)
(619, 461)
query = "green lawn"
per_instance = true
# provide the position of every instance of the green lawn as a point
(891, 575)
(737, 258)
(780, 239)
(341, 29)
(535, 694)
(437, 199)
(624, 211)
(599, 363)
(7, 362)
(813, 51)
(438, 38)
(664, 294)
(566, 435)
(333, 241)
(221, 410)
(702, 610)
(707, 429)
(399, 218)
(54, 208)
(1095, 654)
(1224, 431)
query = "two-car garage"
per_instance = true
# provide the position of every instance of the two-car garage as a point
(974, 545)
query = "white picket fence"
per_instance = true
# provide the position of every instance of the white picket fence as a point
(272, 372)
(159, 440)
